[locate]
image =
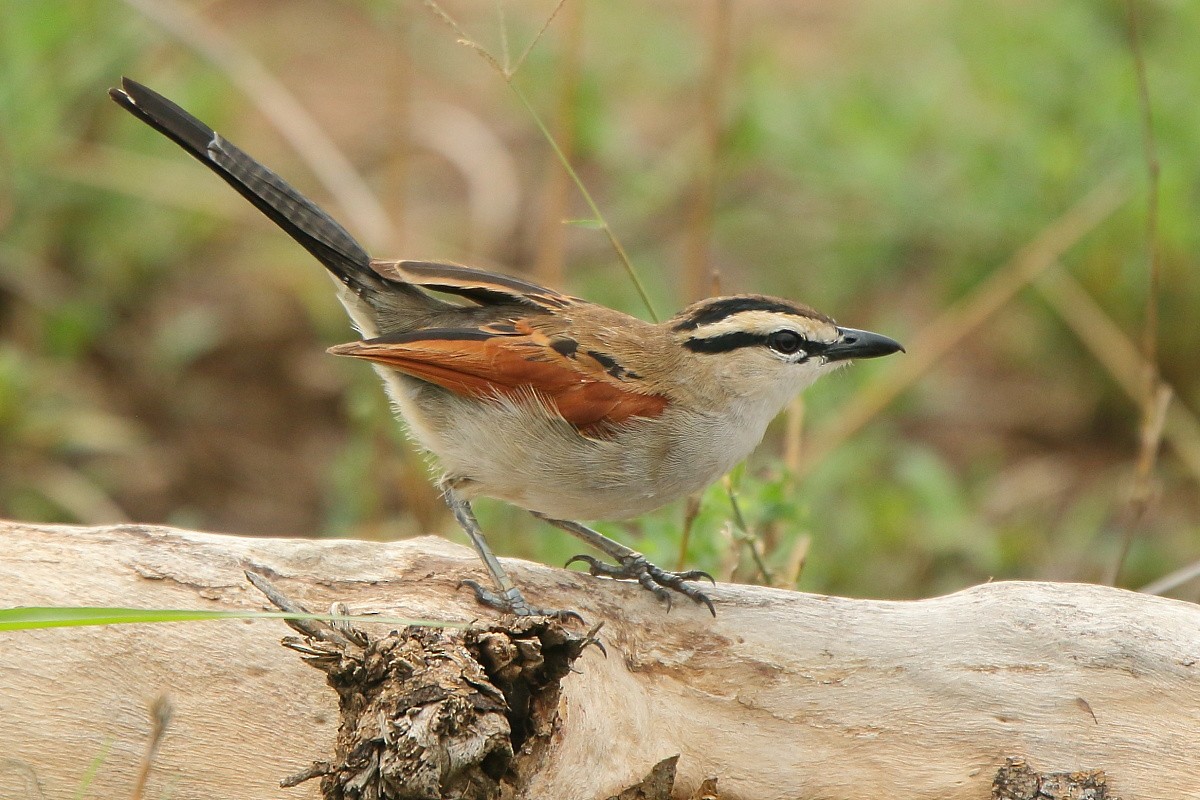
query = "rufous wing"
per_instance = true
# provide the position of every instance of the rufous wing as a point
(512, 359)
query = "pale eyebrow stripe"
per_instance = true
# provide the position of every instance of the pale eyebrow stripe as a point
(765, 322)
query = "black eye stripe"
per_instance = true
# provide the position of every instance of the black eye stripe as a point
(737, 339)
(725, 342)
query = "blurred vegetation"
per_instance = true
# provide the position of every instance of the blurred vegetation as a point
(161, 346)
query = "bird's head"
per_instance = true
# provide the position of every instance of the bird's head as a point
(768, 347)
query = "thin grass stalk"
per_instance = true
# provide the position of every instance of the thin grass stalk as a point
(508, 75)
(1119, 356)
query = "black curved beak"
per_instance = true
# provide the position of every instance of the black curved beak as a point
(853, 343)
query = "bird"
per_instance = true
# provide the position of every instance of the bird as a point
(566, 408)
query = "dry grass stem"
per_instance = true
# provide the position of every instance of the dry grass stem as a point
(465, 39)
(1172, 580)
(161, 712)
(1143, 494)
(793, 565)
(542, 32)
(699, 273)
(964, 317)
(1151, 437)
(691, 510)
(1119, 356)
(280, 107)
(744, 535)
(626, 262)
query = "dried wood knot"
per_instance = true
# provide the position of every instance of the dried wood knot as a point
(1017, 780)
(440, 713)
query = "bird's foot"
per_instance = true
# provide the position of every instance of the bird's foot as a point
(513, 602)
(652, 578)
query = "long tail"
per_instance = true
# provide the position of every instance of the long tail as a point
(303, 220)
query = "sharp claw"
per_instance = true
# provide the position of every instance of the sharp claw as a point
(651, 577)
(698, 574)
(592, 638)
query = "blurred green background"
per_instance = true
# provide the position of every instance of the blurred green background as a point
(162, 345)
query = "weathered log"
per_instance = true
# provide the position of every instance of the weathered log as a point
(783, 695)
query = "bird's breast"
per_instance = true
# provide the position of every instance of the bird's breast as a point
(520, 451)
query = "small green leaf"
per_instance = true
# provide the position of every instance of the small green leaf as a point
(590, 224)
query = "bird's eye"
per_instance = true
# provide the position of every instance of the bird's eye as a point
(785, 342)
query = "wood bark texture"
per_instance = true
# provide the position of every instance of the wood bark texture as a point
(783, 695)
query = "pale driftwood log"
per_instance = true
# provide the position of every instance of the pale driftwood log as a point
(783, 695)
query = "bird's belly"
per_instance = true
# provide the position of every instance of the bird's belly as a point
(517, 452)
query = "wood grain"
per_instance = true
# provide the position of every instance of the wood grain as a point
(783, 695)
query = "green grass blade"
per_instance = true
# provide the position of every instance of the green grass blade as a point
(34, 617)
(93, 769)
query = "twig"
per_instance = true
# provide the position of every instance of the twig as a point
(313, 629)
(318, 769)
(963, 318)
(280, 107)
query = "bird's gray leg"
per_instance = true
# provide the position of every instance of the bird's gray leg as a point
(633, 565)
(507, 597)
